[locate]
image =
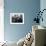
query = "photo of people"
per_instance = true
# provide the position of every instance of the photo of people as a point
(17, 18)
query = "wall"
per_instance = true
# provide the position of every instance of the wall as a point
(29, 8)
(43, 6)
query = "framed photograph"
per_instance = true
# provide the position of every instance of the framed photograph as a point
(16, 18)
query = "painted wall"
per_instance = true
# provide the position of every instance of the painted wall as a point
(29, 8)
(43, 6)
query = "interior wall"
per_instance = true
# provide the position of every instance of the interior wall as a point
(13, 32)
(43, 6)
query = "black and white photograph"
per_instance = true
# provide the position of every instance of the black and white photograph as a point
(16, 18)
